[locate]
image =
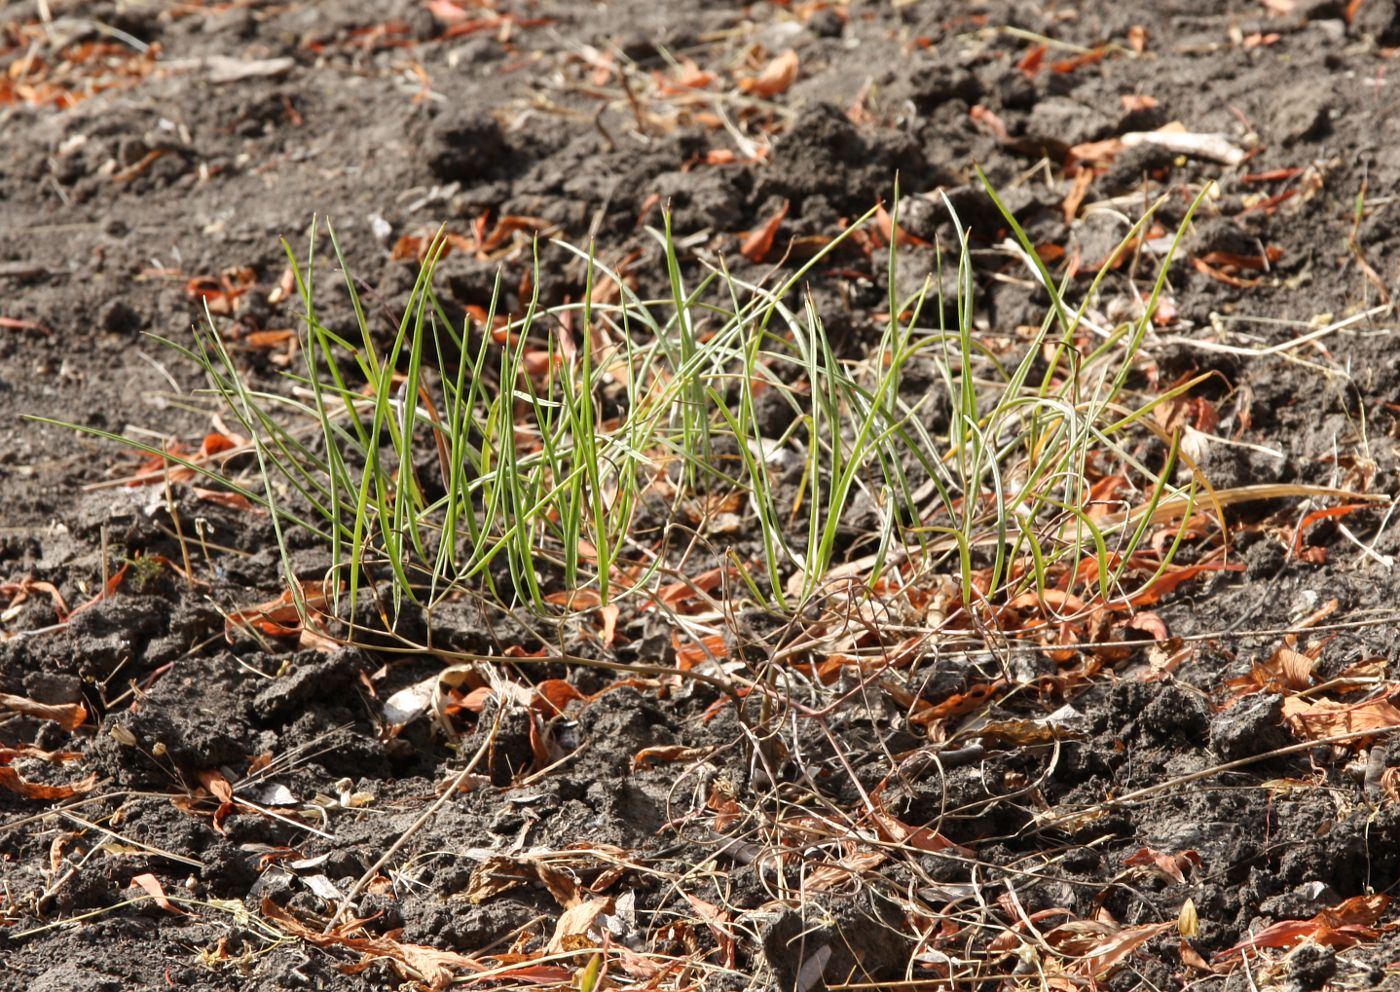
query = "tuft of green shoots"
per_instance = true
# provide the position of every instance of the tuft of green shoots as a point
(517, 457)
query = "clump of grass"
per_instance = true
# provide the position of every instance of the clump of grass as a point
(516, 456)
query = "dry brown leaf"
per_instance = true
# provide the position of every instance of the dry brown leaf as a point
(492, 877)
(553, 695)
(11, 779)
(1112, 947)
(760, 240)
(609, 614)
(668, 752)
(895, 831)
(989, 120)
(576, 922)
(685, 78)
(1296, 668)
(1079, 61)
(679, 592)
(216, 784)
(278, 617)
(1075, 197)
(151, 886)
(437, 968)
(21, 590)
(1149, 623)
(828, 876)
(1313, 720)
(8, 754)
(777, 76)
(268, 340)
(1344, 925)
(1097, 153)
(886, 225)
(636, 965)
(1030, 64)
(66, 715)
(509, 224)
(1170, 865)
(561, 885)
(960, 704)
(1369, 669)
(718, 922)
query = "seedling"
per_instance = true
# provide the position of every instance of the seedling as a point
(512, 456)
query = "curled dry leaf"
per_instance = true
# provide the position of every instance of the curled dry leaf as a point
(1079, 61)
(679, 592)
(149, 884)
(576, 921)
(1102, 947)
(1149, 623)
(990, 122)
(1170, 865)
(19, 592)
(890, 232)
(286, 285)
(1079, 189)
(553, 695)
(221, 294)
(510, 224)
(66, 715)
(278, 617)
(1018, 732)
(895, 831)
(446, 11)
(777, 76)
(156, 469)
(269, 340)
(760, 241)
(1348, 923)
(829, 876)
(436, 968)
(685, 78)
(692, 653)
(1288, 670)
(1095, 153)
(718, 921)
(1313, 720)
(217, 785)
(668, 752)
(1031, 63)
(1327, 513)
(9, 754)
(12, 780)
(956, 705)
(638, 966)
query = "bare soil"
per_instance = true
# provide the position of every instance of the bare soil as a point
(147, 145)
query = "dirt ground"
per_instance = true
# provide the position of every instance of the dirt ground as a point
(190, 812)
